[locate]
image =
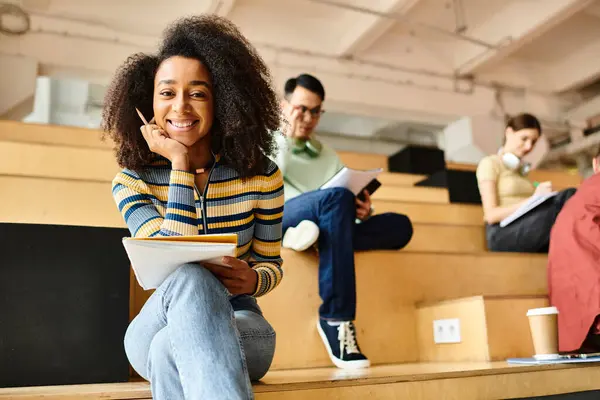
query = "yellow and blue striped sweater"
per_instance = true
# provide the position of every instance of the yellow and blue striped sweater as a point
(159, 201)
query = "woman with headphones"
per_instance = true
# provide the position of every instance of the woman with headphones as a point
(504, 187)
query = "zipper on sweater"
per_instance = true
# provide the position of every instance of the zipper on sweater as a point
(202, 201)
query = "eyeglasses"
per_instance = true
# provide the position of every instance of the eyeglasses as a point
(314, 112)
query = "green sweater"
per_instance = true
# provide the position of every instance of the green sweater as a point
(301, 173)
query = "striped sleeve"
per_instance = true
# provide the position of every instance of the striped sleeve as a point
(141, 215)
(265, 253)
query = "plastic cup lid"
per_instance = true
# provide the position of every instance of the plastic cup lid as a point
(542, 311)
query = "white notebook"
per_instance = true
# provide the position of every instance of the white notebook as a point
(154, 259)
(352, 179)
(532, 203)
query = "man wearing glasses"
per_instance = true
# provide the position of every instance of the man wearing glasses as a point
(335, 218)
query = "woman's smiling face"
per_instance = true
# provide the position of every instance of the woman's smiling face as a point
(183, 100)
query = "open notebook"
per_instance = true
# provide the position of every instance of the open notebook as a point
(532, 203)
(354, 180)
(563, 359)
(154, 259)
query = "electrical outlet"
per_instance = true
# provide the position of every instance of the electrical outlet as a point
(446, 330)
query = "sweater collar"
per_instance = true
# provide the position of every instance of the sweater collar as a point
(163, 162)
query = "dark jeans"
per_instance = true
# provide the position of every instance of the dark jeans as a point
(334, 211)
(531, 232)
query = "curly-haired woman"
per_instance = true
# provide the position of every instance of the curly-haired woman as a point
(199, 167)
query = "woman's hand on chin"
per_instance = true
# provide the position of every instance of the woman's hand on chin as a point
(160, 143)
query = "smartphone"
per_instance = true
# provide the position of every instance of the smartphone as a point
(370, 188)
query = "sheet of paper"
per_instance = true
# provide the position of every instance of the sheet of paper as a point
(154, 261)
(352, 179)
(532, 203)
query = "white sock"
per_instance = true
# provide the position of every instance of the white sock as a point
(334, 323)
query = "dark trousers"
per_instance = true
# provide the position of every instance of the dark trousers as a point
(334, 211)
(531, 232)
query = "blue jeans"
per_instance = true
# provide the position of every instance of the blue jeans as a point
(192, 340)
(334, 211)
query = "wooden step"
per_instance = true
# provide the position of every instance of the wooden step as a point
(388, 284)
(97, 164)
(96, 207)
(58, 201)
(448, 381)
(483, 322)
(62, 136)
(412, 194)
(95, 204)
(363, 160)
(430, 213)
(560, 179)
(51, 161)
(93, 163)
(461, 166)
(53, 135)
(447, 238)
(92, 138)
(398, 179)
(454, 381)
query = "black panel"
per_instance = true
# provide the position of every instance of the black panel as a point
(462, 185)
(438, 179)
(417, 160)
(591, 395)
(64, 305)
(463, 188)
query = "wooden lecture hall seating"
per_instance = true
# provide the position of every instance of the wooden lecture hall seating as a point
(445, 272)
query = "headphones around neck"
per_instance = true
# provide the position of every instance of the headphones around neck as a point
(514, 163)
(312, 147)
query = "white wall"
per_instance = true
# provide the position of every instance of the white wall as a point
(469, 139)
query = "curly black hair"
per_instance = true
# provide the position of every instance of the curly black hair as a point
(246, 107)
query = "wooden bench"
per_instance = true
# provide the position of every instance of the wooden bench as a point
(453, 381)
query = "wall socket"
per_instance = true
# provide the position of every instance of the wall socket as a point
(446, 330)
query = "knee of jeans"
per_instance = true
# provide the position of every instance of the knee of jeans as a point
(160, 355)
(340, 195)
(198, 281)
(136, 354)
(197, 278)
(259, 357)
(404, 230)
(258, 341)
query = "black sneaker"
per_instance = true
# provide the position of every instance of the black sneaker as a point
(340, 342)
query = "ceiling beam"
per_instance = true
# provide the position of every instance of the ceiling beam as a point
(581, 67)
(517, 24)
(583, 111)
(364, 33)
(94, 59)
(574, 148)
